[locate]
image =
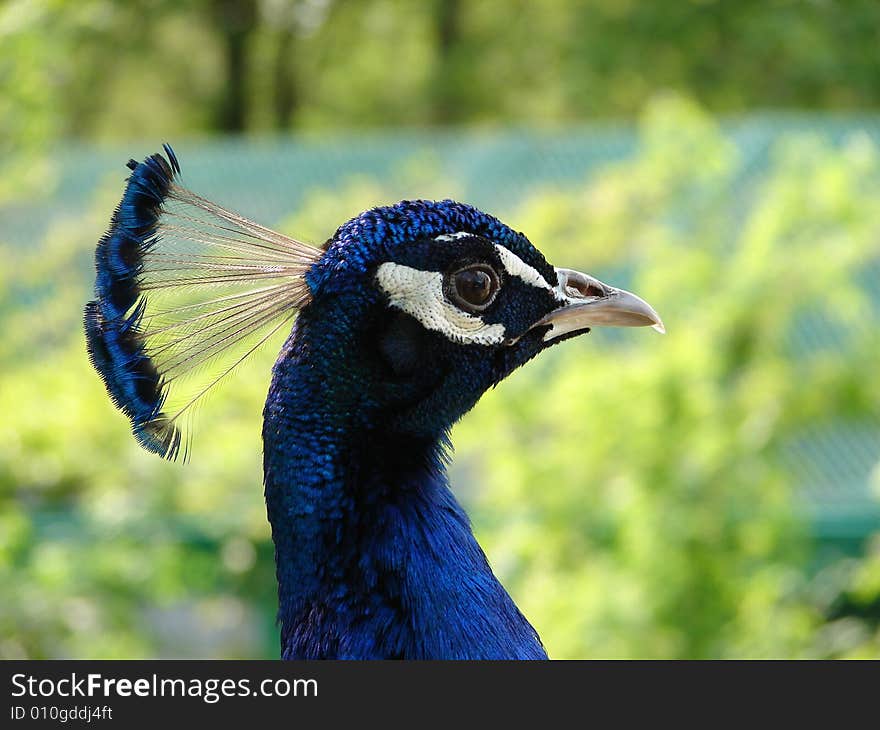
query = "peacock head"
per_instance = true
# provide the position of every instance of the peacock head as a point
(437, 301)
(412, 310)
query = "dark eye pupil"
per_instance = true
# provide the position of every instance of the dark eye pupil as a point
(473, 286)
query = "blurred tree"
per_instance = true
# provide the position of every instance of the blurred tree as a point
(156, 67)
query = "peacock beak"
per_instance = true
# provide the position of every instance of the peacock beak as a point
(587, 302)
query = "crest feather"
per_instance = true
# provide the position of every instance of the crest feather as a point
(185, 291)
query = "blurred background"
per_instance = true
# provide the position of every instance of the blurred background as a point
(710, 493)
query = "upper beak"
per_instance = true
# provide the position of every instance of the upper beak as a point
(587, 302)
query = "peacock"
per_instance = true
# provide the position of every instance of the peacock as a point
(397, 325)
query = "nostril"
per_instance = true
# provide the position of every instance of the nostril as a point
(585, 288)
(581, 286)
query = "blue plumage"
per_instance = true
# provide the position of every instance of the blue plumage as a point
(405, 317)
(375, 557)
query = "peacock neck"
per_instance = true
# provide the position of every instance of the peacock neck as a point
(374, 556)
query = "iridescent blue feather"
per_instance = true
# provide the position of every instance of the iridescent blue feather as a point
(112, 320)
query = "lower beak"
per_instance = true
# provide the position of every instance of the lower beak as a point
(587, 302)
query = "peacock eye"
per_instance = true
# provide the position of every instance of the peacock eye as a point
(474, 287)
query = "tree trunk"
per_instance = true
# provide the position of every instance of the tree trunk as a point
(235, 21)
(445, 97)
(286, 91)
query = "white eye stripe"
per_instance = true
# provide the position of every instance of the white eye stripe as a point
(452, 236)
(515, 266)
(420, 294)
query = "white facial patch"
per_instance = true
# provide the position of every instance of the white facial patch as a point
(420, 294)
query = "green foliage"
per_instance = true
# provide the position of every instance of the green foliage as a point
(635, 492)
(638, 485)
(640, 495)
